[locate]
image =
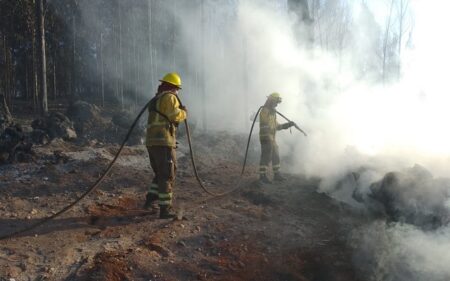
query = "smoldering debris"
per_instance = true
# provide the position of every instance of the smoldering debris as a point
(414, 197)
(410, 196)
(408, 223)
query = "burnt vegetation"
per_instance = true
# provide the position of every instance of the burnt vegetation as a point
(73, 75)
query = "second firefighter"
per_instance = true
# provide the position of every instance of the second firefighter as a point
(268, 126)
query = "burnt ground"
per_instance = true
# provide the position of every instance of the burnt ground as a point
(284, 231)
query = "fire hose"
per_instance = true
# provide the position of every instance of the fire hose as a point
(88, 191)
(111, 164)
(194, 166)
(295, 125)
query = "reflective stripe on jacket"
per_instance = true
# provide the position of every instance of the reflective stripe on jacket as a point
(161, 132)
(268, 125)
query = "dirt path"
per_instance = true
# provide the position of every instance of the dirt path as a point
(281, 231)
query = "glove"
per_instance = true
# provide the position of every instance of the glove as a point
(182, 107)
(287, 125)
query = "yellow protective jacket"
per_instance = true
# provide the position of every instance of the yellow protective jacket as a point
(161, 127)
(268, 125)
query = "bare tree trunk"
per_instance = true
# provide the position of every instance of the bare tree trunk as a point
(301, 9)
(34, 73)
(6, 117)
(386, 41)
(42, 58)
(54, 75)
(6, 76)
(246, 88)
(136, 70)
(317, 20)
(27, 90)
(73, 79)
(173, 33)
(403, 11)
(9, 73)
(116, 63)
(102, 69)
(3, 79)
(150, 46)
(202, 66)
(12, 79)
(121, 57)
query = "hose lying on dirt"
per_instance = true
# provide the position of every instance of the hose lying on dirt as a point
(111, 164)
(87, 192)
(188, 134)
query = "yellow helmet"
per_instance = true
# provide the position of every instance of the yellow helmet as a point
(172, 78)
(275, 97)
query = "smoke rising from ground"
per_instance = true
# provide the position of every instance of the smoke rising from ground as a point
(402, 252)
(352, 122)
(249, 49)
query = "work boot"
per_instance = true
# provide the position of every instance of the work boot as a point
(150, 200)
(278, 177)
(263, 178)
(166, 212)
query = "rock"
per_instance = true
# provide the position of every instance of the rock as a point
(71, 134)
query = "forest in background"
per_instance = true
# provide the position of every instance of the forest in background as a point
(112, 52)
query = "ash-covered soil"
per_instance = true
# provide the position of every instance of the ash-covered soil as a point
(283, 231)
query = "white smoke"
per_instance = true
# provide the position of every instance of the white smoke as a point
(249, 49)
(402, 252)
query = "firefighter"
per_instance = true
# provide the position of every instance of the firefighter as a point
(165, 113)
(268, 126)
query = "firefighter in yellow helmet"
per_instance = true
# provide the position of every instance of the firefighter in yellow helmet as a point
(268, 126)
(165, 113)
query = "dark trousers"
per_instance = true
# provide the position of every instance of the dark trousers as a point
(164, 164)
(269, 153)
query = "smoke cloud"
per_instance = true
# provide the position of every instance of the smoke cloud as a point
(244, 50)
(402, 252)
